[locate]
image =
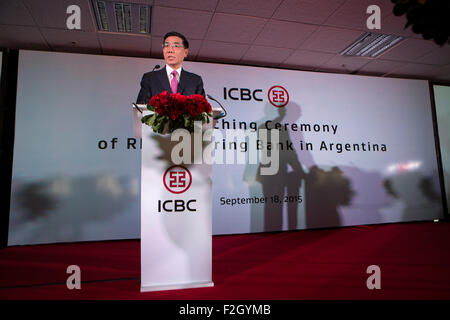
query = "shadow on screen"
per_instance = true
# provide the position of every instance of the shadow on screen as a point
(323, 190)
(59, 209)
(417, 193)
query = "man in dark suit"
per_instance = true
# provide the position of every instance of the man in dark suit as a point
(172, 78)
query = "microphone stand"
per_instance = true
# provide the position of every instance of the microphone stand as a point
(222, 114)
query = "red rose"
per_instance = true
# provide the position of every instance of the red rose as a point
(198, 98)
(164, 98)
(206, 107)
(159, 110)
(198, 105)
(153, 101)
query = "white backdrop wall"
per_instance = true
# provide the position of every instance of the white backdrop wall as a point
(71, 183)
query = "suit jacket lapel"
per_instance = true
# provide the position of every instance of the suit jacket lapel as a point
(183, 80)
(164, 80)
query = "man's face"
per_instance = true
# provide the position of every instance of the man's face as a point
(175, 52)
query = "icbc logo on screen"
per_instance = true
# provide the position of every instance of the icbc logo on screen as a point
(177, 179)
(278, 96)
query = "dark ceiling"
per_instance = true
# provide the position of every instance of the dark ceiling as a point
(294, 34)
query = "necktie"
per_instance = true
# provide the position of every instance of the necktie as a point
(174, 82)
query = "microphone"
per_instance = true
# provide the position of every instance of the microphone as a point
(151, 73)
(222, 114)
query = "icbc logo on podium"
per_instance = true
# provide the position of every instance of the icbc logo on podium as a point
(278, 96)
(177, 179)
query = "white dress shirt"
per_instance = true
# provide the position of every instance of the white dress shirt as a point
(170, 76)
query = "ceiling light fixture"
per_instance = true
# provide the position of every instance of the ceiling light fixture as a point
(122, 17)
(371, 45)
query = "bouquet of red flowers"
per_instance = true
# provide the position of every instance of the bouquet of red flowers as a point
(174, 111)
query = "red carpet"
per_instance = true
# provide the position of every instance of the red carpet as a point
(312, 264)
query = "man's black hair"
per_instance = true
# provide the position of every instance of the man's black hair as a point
(179, 35)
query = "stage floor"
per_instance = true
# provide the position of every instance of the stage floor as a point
(414, 261)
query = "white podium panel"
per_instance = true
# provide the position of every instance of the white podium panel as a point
(176, 219)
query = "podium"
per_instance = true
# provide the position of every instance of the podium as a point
(176, 214)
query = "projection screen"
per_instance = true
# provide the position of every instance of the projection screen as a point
(353, 149)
